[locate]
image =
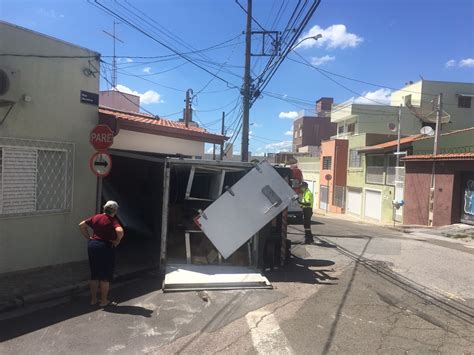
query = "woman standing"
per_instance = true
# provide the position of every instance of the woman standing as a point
(107, 234)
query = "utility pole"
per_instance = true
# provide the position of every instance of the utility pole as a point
(398, 184)
(398, 140)
(114, 58)
(222, 133)
(439, 113)
(247, 84)
(187, 109)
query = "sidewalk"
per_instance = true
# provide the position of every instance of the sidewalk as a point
(24, 288)
(459, 232)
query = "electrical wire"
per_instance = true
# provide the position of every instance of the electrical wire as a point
(121, 93)
(97, 57)
(153, 38)
(133, 10)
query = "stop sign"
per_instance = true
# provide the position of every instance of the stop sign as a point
(101, 137)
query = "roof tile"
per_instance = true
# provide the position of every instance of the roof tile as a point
(149, 119)
(453, 156)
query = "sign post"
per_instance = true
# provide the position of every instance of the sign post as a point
(101, 137)
(100, 164)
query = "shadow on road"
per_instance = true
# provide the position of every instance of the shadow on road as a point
(27, 323)
(132, 310)
(304, 271)
(332, 333)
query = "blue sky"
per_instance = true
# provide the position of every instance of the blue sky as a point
(386, 42)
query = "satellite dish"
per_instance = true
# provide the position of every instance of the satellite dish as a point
(392, 126)
(427, 131)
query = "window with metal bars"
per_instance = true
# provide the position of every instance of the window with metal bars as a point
(35, 180)
(464, 101)
(327, 163)
(354, 159)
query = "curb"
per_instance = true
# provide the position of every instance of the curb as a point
(66, 291)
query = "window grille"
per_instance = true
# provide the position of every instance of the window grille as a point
(354, 159)
(327, 163)
(36, 177)
(375, 169)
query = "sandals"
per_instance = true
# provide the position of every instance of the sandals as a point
(109, 304)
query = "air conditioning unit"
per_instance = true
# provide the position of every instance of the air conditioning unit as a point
(9, 86)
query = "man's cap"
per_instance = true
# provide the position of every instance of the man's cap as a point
(111, 204)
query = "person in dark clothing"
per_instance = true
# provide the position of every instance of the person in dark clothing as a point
(306, 203)
(107, 234)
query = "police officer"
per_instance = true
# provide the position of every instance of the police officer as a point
(306, 203)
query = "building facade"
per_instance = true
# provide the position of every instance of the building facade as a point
(333, 175)
(311, 128)
(439, 189)
(47, 187)
(422, 98)
(370, 183)
(419, 103)
(310, 168)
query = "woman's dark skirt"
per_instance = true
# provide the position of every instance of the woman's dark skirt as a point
(101, 260)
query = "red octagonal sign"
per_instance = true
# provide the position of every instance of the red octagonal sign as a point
(101, 137)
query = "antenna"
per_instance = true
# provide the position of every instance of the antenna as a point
(114, 59)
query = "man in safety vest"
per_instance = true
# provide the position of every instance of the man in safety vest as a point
(306, 203)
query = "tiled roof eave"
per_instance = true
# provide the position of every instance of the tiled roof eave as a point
(174, 132)
(440, 157)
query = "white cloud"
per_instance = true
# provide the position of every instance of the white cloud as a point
(288, 115)
(322, 60)
(257, 125)
(147, 70)
(129, 60)
(450, 63)
(463, 63)
(209, 150)
(335, 36)
(380, 97)
(283, 146)
(148, 97)
(289, 133)
(50, 13)
(468, 62)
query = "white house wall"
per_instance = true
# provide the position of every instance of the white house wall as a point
(55, 113)
(425, 93)
(143, 142)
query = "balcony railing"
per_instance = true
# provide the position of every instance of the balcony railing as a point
(390, 178)
(374, 175)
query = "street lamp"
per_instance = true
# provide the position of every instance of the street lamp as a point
(318, 36)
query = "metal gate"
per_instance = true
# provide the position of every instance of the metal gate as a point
(323, 197)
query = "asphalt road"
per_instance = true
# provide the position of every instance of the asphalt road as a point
(359, 289)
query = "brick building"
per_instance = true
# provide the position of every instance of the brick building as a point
(311, 128)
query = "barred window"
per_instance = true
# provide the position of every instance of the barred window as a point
(464, 101)
(354, 159)
(327, 163)
(35, 177)
(375, 169)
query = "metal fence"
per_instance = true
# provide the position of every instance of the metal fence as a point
(36, 177)
(374, 175)
(339, 196)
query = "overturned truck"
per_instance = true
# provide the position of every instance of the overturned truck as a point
(221, 222)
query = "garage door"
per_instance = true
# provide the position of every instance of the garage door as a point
(354, 201)
(373, 208)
